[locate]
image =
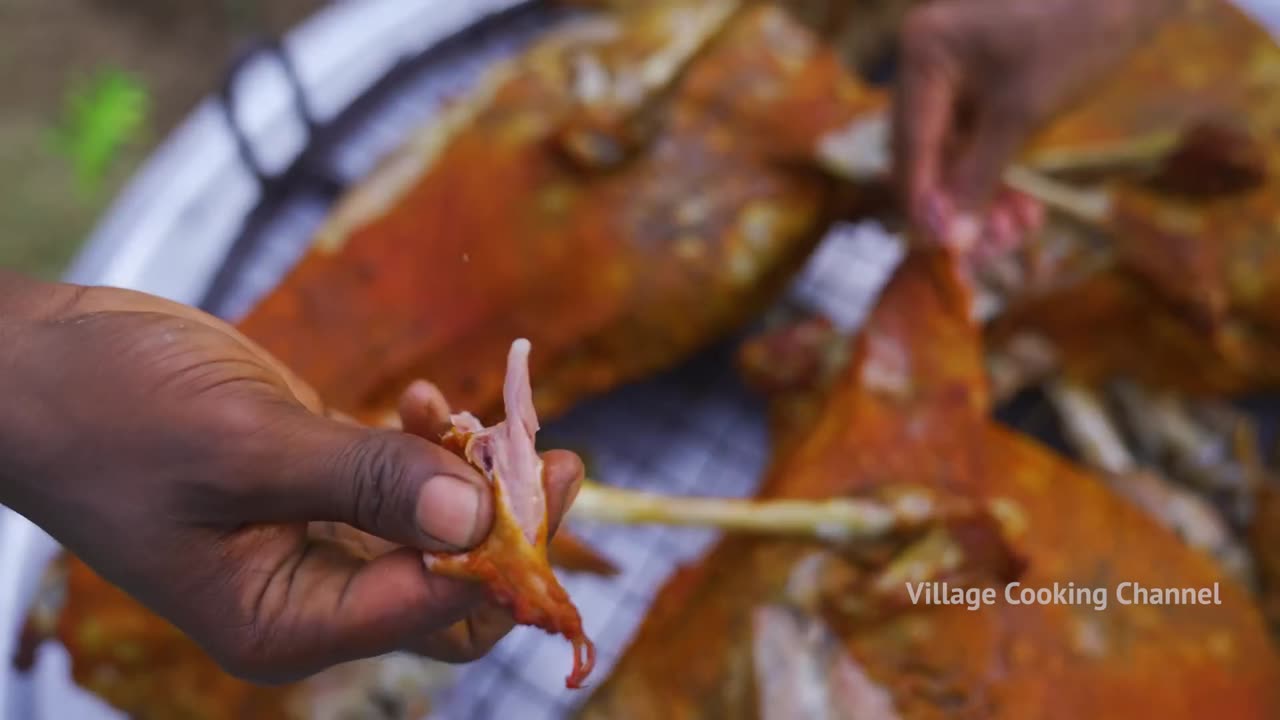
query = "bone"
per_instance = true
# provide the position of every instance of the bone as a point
(837, 520)
(1090, 429)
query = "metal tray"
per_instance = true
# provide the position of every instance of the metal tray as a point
(230, 201)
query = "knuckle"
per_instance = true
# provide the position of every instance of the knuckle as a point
(237, 454)
(242, 420)
(378, 477)
(924, 27)
(929, 47)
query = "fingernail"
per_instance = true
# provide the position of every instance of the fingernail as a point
(449, 511)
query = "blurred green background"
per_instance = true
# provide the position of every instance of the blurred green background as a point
(90, 87)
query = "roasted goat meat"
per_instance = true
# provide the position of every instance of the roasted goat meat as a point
(512, 560)
(1183, 297)
(490, 225)
(1160, 300)
(773, 629)
(1210, 63)
(1175, 283)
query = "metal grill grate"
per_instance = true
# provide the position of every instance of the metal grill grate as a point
(695, 429)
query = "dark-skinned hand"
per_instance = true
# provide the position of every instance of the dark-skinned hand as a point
(187, 466)
(978, 78)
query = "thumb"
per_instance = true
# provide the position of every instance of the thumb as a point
(387, 483)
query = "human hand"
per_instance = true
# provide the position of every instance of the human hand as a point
(184, 464)
(978, 77)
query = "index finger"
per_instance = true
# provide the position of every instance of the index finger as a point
(424, 411)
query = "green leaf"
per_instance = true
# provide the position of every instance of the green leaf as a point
(99, 118)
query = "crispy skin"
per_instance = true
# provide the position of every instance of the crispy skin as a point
(613, 274)
(1210, 63)
(911, 409)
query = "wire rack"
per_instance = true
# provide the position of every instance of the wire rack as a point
(693, 429)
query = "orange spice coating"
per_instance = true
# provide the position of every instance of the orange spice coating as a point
(911, 409)
(1183, 291)
(612, 274)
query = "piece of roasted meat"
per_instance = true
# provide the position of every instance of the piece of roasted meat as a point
(664, 167)
(512, 560)
(776, 629)
(634, 186)
(1174, 280)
